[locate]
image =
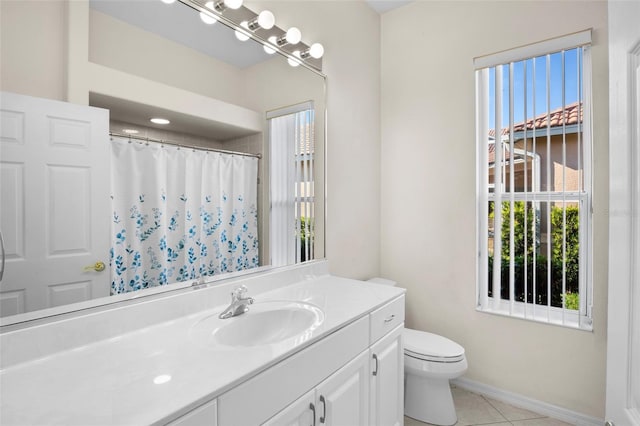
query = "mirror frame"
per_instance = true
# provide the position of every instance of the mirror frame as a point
(78, 89)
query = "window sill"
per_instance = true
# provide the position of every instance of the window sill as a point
(542, 314)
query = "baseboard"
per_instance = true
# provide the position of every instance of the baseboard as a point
(527, 403)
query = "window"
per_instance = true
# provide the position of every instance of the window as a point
(534, 181)
(292, 146)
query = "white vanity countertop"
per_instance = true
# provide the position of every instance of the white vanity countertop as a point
(111, 382)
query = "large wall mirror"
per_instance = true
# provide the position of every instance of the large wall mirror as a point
(119, 207)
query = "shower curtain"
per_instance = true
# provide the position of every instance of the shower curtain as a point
(179, 214)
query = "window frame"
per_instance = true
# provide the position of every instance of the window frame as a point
(582, 318)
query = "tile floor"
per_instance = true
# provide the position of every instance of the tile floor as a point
(475, 409)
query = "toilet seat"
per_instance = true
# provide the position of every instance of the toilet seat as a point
(431, 347)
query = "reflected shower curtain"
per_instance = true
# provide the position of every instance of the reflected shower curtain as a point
(179, 214)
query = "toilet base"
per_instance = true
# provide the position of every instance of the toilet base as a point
(429, 400)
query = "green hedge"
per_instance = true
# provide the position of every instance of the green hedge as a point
(522, 268)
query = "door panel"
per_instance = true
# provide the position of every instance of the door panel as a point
(387, 385)
(299, 413)
(623, 335)
(54, 218)
(343, 399)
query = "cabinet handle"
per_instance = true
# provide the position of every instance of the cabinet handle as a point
(324, 409)
(313, 410)
(375, 358)
(390, 318)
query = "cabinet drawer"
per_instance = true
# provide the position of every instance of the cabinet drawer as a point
(386, 318)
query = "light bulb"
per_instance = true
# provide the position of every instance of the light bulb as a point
(233, 4)
(292, 61)
(239, 34)
(211, 5)
(168, 1)
(266, 19)
(207, 19)
(159, 120)
(269, 50)
(316, 50)
(293, 35)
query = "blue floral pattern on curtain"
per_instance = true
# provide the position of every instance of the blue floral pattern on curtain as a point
(180, 214)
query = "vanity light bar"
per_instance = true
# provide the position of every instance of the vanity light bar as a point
(272, 37)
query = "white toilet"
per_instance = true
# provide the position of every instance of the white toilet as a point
(430, 361)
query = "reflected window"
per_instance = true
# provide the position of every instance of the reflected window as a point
(292, 148)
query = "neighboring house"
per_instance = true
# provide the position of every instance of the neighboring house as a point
(538, 165)
(549, 154)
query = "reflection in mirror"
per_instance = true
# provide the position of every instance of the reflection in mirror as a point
(100, 204)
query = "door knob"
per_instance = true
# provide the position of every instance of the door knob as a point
(98, 267)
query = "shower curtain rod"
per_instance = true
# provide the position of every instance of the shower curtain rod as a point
(201, 148)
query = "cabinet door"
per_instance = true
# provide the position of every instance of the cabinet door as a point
(299, 413)
(343, 398)
(387, 380)
(204, 415)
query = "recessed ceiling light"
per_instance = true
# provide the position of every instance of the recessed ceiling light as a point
(130, 131)
(160, 120)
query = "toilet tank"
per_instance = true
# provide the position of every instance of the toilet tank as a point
(383, 281)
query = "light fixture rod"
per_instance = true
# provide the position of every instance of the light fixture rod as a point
(233, 17)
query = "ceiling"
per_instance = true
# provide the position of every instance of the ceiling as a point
(137, 113)
(382, 6)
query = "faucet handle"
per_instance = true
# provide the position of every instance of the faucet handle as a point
(238, 292)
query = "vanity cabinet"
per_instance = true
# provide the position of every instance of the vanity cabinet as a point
(386, 389)
(339, 400)
(204, 415)
(342, 399)
(302, 412)
(320, 366)
(354, 377)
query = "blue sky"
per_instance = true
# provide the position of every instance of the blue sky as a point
(523, 77)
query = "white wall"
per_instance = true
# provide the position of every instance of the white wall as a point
(33, 65)
(124, 47)
(428, 191)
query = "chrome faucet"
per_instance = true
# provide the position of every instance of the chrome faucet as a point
(239, 304)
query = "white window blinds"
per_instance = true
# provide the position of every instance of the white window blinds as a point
(534, 181)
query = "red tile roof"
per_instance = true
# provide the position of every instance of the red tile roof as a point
(556, 119)
(571, 112)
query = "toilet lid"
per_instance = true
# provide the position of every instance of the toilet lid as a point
(431, 347)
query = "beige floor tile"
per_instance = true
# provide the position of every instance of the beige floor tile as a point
(513, 413)
(545, 421)
(473, 409)
(408, 421)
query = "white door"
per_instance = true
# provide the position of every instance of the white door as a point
(299, 413)
(623, 335)
(343, 398)
(54, 211)
(386, 402)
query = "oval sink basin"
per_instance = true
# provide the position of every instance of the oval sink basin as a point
(265, 323)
